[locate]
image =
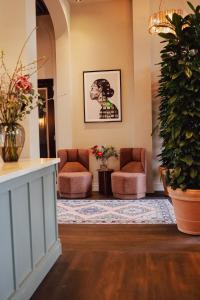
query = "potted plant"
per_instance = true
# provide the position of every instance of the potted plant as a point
(103, 153)
(180, 117)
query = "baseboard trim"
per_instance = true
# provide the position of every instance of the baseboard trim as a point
(95, 187)
(158, 186)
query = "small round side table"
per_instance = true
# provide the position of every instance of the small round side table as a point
(105, 181)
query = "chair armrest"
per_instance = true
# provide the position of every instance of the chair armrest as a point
(144, 159)
(62, 154)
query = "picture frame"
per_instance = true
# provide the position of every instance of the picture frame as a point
(102, 96)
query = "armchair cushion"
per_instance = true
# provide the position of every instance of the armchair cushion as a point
(62, 154)
(133, 167)
(73, 155)
(75, 185)
(135, 155)
(74, 180)
(130, 181)
(73, 167)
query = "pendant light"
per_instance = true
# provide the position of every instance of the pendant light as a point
(158, 22)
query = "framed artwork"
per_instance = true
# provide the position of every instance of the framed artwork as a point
(102, 96)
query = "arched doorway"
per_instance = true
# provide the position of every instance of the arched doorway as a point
(54, 40)
(46, 80)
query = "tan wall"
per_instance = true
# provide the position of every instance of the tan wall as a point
(102, 39)
(142, 113)
(46, 47)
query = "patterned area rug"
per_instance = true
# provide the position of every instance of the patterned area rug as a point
(143, 211)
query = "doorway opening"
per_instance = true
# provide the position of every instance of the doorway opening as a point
(47, 119)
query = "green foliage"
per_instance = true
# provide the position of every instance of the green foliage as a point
(179, 90)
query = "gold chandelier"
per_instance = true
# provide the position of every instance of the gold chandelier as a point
(158, 22)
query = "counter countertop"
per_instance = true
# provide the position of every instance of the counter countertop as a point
(13, 170)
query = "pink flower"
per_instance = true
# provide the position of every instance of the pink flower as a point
(100, 154)
(23, 83)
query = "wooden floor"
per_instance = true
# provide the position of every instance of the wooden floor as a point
(124, 262)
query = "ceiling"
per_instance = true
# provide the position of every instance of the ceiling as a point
(41, 8)
(86, 1)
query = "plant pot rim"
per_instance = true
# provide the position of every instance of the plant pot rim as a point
(187, 195)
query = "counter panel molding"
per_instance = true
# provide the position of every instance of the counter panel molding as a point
(28, 232)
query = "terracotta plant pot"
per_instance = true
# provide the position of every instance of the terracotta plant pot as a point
(187, 210)
(162, 171)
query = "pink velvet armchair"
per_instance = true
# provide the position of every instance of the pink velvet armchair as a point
(74, 178)
(130, 181)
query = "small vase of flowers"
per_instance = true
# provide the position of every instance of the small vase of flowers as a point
(103, 153)
(17, 99)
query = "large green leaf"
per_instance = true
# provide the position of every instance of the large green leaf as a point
(189, 134)
(188, 160)
(181, 179)
(177, 171)
(168, 36)
(191, 6)
(193, 173)
(172, 99)
(188, 72)
(198, 9)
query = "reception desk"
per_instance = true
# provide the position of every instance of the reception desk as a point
(29, 243)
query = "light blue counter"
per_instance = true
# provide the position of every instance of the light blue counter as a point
(29, 243)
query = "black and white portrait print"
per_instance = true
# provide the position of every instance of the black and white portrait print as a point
(102, 96)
